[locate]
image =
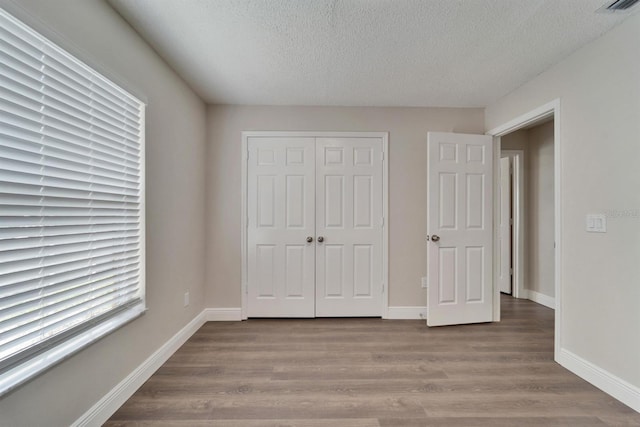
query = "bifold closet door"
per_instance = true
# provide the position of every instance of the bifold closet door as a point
(314, 234)
(281, 211)
(349, 217)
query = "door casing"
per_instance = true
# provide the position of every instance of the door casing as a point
(312, 134)
(550, 109)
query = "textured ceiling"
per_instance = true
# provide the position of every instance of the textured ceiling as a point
(457, 53)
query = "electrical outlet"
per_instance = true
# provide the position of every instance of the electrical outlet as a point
(425, 282)
(186, 299)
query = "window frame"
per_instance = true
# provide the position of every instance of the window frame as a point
(16, 372)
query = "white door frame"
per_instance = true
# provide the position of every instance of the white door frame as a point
(517, 203)
(551, 109)
(385, 202)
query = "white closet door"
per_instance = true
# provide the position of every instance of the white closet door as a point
(460, 222)
(349, 227)
(281, 263)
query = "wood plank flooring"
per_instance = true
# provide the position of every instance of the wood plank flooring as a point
(372, 373)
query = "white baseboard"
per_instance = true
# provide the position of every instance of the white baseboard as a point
(543, 299)
(617, 387)
(407, 313)
(223, 314)
(99, 413)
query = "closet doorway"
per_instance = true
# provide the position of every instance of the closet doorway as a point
(315, 214)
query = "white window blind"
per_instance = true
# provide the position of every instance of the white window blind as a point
(71, 204)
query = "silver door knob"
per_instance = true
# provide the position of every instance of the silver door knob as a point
(320, 239)
(435, 238)
(309, 239)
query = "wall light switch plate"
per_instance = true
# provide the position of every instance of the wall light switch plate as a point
(596, 223)
(425, 282)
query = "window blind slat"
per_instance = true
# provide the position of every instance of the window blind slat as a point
(24, 154)
(35, 164)
(61, 82)
(58, 135)
(32, 141)
(13, 222)
(75, 248)
(61, 134)
(59, 202)
(23, 40)
(22, 70)
(52, 323)
(27, 232)
(45, 241)
(50, 316)
(25, 307)
(13, 281)
(63, 280)
(60, 90)
(35, 190)
(32, 267)
(110, 138)
(26, 177)
(66, 66)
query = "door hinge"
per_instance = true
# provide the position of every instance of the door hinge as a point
(382, 221)
(382, 157)
(383, 288)
(511, 271)
(510, 221)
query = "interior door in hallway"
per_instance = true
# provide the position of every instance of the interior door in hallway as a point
(349, 219)
(505, 276)
(460, 225)
(281, 227)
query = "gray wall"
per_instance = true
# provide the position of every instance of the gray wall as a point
(407, 129)
(175, 145)
(599, 132)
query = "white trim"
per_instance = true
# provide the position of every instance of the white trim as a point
(537, 115)
(244, 221)
(407, 313)
(543, 299)
(99, 413)
(617, 387)
(385, 202)
(232, 314)
(385, 225)
(517, 202)
(550, 109)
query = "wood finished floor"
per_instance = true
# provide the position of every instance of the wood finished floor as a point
(372, 373)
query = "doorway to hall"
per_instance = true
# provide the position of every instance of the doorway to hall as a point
(527, 213)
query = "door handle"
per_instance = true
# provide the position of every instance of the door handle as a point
(435, 238)
(320, 239)
(309, 239)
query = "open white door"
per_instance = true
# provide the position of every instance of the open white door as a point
(505, 226)
(460, 225)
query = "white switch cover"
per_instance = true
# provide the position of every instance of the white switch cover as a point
(596, 223)
(424, 282)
